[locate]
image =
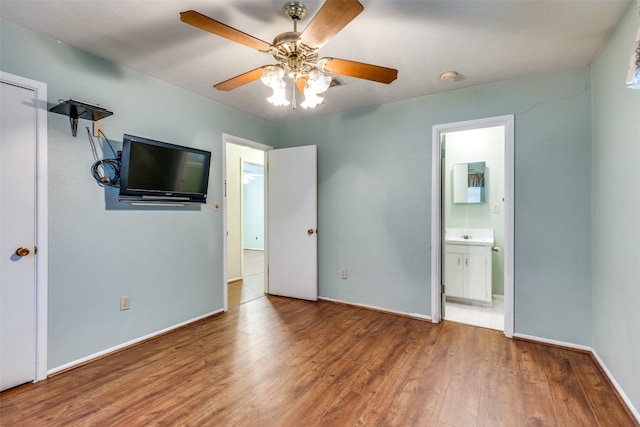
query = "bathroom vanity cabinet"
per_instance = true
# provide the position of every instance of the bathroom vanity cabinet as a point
(467, 272)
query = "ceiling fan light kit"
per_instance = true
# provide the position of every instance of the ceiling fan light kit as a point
(272, 77)
(297, 53)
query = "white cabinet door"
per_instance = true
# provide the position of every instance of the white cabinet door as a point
(454, 272)
(478, 263)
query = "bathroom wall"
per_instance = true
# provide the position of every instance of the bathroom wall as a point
(479, 145)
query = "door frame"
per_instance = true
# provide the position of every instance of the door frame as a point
(42, 231)
(227, 138)
(436, 214)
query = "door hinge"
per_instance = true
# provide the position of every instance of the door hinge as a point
(442, 288)
(225, 188)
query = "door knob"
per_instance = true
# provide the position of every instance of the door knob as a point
(310, 231)
(22, 251)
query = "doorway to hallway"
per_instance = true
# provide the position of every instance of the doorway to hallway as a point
(245, 221)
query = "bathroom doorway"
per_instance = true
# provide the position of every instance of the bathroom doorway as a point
(472, 225)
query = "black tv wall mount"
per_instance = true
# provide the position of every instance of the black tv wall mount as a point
(80, 110)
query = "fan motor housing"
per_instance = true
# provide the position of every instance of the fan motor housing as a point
(287, 42)
(295, 55)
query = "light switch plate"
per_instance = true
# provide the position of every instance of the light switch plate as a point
(125, 302)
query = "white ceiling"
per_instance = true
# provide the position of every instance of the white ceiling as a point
(485, 41)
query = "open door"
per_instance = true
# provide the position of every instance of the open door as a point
(292, 222)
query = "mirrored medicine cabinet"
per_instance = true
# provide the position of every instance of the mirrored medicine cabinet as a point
(469, 182)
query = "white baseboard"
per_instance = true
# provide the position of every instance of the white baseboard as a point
(553, 342)
(127, 344)
(383, 310)
(626, 399)
(621, 392)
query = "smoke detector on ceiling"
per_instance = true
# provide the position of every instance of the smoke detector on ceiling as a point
(449, 77)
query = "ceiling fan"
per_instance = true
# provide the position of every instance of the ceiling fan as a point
(297, 53)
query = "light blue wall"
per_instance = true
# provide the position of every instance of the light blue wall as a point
(168, 260)
(616, 203)
(374, 173)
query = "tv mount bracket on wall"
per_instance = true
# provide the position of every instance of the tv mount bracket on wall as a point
(80, 110)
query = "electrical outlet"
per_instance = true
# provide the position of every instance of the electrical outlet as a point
(97, 129)
(125, 302)
(343, 273)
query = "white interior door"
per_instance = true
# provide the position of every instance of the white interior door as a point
(292, 222)
(17, 235)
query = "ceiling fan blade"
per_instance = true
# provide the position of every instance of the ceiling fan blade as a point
(360, 70)
(203, 22)
(242, 79)
(332, 17)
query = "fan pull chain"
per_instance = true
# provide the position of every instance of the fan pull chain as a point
(293, 94)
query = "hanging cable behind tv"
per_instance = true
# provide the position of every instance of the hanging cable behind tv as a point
(106, 172)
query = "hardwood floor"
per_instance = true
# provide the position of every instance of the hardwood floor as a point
(282, 362)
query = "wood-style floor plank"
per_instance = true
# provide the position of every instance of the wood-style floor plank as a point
(569, 400)
(535, 406)
(605, 404)
(281, 362)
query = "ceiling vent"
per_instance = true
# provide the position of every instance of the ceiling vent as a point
(335, 81)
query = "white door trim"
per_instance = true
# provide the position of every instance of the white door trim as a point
(436, 212)
(258, 146)
(42, 232)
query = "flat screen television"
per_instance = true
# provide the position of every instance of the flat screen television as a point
(160, 172)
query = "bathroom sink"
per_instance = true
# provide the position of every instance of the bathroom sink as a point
(469, 236)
